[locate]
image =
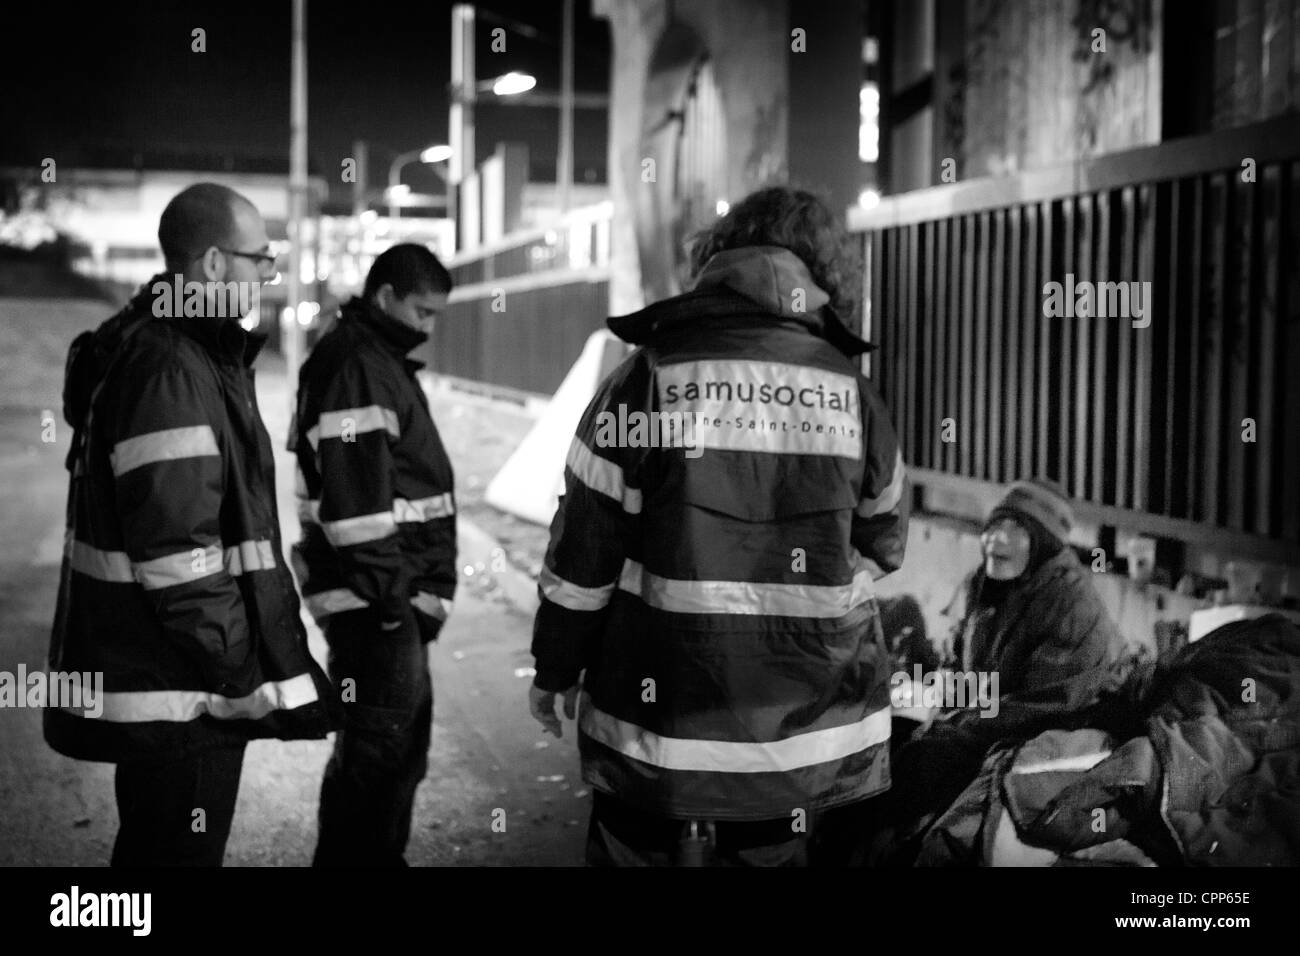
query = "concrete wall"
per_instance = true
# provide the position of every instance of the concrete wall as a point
(1036, 95)
(748, 41)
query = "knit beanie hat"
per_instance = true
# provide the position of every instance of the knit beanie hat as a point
(1044, 501)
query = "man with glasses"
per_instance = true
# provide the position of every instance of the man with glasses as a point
(174, 586)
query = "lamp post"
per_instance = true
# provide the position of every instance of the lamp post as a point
(460, 114)
(291, 336)
(430, 154)
(464, 90)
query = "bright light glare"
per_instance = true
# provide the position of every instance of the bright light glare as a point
(436, 154)
(722, 206)
(869, 123)
(513, 83)
(869, 199)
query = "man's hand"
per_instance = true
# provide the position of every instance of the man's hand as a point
(541, 703)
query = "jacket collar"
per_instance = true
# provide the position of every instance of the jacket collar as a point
(223, 338)
(395, 336)
(732, 283)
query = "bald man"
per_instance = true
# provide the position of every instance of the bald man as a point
(174, 590)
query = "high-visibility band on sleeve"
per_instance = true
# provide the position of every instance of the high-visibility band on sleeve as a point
(746, 597)
(889, 498)
(324, 603)
(726, 756)
(348, 422)
(404, 511)
(423, 509)
(179, 706)
(602, 475)
(116, 567)
(170, 444)
(359, 530)
(432, 605)
(111, 566)
(573, 596)
(250, 556)
(179, 568)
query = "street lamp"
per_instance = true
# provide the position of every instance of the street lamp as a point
(464, 95)
(465, 87)
(429, 154)
(509, 84)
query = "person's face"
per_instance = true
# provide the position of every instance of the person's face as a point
(245, 257)
(417, 309)
(1005, 544)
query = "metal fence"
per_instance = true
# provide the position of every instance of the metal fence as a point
(522, 308)
(1142, 425)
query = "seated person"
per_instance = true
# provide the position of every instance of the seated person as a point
(1035, 620)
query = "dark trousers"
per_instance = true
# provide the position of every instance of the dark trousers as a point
(381, 754)
(621, 835)
(158, 804)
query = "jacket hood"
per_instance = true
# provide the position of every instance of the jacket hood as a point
(734, 281)
(767, 275)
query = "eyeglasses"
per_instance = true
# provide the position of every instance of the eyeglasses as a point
(261, 258)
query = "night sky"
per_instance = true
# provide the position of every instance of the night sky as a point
(99, 84)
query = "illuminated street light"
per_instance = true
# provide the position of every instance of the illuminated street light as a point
(397, 192)
(513, 83)
(436, 154)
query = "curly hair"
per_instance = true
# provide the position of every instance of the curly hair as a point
(796, 220)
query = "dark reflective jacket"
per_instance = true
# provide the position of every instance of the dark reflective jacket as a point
(173, 582)
(713, 572)
(375, 486)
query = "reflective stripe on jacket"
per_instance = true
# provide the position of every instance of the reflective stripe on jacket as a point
(173, 585)
(375, 486)
(713, 572)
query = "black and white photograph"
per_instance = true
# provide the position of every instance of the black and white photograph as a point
(532, 438)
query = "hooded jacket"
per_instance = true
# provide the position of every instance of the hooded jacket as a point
(1049, 639)
(375, 486)
(731, 494)
(173, 583)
